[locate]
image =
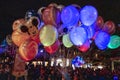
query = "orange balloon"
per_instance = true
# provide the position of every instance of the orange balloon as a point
(28, 50)
(18, 37)
(53, 48)
(17, 23)
(109, 27)
(51, 15)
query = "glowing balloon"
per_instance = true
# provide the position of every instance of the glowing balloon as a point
(66, 41)
(90, 31)
(102, 39)
(78, 61)
(28, 50)
(17, 23)
(53, 48)
(109, 27)
(88, 15)
(18, 38)
(114, 42)
(70, 15)
(48, 35)
(51, 15)
(78, 36)
(85, 46)
(99, 23)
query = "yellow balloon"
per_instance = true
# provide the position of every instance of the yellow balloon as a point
(48, 35)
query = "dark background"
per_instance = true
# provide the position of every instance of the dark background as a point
(11, 10)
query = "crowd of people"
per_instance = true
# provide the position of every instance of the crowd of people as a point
(40, 72)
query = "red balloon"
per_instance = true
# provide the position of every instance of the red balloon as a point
(109, 27)
(52, 49)
(85, 46)
(28, 50)
(51, 15)
(99, 23)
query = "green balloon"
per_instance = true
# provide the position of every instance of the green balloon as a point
(66, 41)
(114, 42)
(48, 35)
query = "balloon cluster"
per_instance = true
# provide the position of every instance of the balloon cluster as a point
(77, 26)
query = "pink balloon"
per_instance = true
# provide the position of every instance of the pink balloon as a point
(109, 27)
(51, 15)
(28, 50)
(85, 46)
(52, 49)
(99, 23)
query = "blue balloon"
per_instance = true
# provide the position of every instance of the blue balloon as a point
(78, 61)
(90, 30)
(78, 36)
(88, 15)
(70, 15)
(102, 39)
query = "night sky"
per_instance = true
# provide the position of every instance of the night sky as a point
(11, 10)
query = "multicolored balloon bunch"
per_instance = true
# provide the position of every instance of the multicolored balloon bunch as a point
(77, 26)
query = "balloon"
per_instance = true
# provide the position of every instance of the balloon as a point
(53, 48)
(51, 15)
(88, 15)
(17, 23)
(114, 42)
(78, 61)
(90, 31)
(48, 35)
(85, 46)
(28, 50)
(40, 10)
(102, 39)
(78, 36)
(34, 21)
(66, 41)
(99, 23)
(109, 27)
(70, 15)
(18, 38)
